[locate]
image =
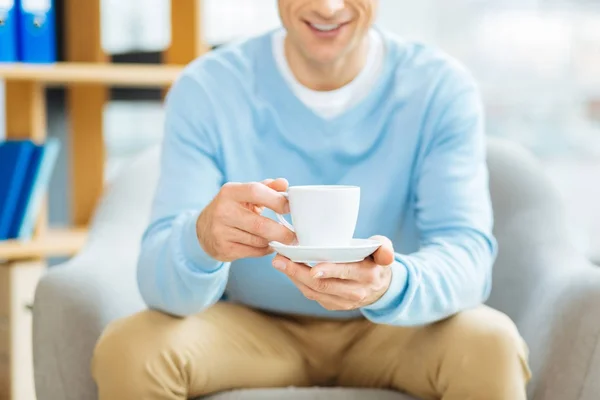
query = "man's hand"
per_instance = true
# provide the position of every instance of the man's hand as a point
(343, 286)
(232, 227)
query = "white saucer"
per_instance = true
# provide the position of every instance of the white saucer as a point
(357, 251)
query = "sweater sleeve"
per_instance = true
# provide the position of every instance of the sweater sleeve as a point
(451, 271)
(174, 273)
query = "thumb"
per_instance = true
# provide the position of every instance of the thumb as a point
(385, 254)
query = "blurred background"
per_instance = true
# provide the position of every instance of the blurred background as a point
(537, 63)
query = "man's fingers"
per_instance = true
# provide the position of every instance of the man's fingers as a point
(328, 301)
(301, 273)
(351, 291)
(260, 209)
(262, 226)
(258, 194)
(361, 272)
(242, 237)
(278, 185)
(385, 254)
(238, 251)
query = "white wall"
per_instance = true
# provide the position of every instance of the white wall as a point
(135, 25)
(227, 20)
(411, 19)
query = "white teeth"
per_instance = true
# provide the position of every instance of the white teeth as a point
(325, 27)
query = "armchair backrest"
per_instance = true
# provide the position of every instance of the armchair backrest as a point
(530, 225)
(124, 210)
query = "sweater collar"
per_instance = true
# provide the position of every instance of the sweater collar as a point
(275, 91)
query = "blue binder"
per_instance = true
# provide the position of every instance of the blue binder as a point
(36, 184)
(24, 196)
(37, 31)
(14, 162)
(8, 31)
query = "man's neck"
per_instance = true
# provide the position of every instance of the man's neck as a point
(327, 77)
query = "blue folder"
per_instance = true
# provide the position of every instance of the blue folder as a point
(35, 187)
(14, 163)
(8, 31)
(37, 31)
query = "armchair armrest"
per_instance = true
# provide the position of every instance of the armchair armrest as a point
(73, 304)
(541, 280)
(561, 324)
(76, 300)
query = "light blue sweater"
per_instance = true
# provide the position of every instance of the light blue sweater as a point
(415, 146)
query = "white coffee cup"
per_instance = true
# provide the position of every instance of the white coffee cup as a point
(323, 216)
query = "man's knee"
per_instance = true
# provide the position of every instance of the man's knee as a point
(137, 354)
(487, 355)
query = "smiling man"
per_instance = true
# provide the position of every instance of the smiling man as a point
(328, 100)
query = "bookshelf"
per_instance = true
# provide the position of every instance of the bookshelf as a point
(53, 243)
(68, 73)
(87, 76)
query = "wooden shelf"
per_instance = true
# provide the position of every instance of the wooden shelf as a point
(123, 75)
(55, 243)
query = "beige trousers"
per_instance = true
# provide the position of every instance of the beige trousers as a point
(477, 354)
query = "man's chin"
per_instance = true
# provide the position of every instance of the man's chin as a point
(325, 57)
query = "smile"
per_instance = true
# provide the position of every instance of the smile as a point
(325, 27)
(326, 31)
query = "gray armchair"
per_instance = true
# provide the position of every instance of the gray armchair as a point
(540, 281)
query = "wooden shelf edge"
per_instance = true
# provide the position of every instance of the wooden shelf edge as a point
(55, 243)
(118, 75)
